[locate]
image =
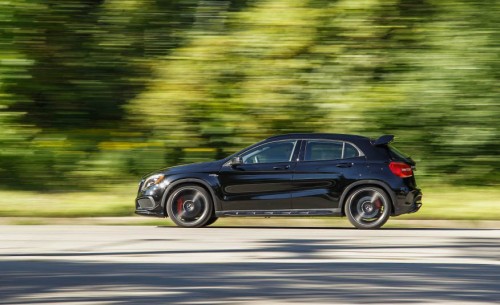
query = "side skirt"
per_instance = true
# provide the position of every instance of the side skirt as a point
(150, 213)
(268, 213)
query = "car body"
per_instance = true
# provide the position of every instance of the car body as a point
(306, 174)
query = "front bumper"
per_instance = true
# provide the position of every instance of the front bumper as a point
(148, 201)
(147, 206)
(407, 201)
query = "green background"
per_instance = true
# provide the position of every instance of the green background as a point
(95, 94)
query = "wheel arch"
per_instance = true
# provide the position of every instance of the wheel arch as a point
(361, 183)
(196, 181)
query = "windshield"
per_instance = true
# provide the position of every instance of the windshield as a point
(397, 154)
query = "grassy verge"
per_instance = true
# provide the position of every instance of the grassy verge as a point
(459, 203)
(446, 202)
(109, 202)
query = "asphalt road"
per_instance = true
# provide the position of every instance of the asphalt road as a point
(237, 265)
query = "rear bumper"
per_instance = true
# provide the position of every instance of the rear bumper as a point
(407, 201)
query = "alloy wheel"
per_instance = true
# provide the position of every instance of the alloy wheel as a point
(368, 208)
(190, 206)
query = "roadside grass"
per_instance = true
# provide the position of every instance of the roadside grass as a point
(118, 201)
(439, 202)
(458, 203)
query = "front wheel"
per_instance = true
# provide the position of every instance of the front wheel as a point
(211, 221)
(368, 208)
(190, 206)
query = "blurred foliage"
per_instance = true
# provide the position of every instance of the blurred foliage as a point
(94, 92)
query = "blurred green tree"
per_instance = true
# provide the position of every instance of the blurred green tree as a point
(69, 68)
(94, 89)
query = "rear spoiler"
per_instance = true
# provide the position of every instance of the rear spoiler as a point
(384, 140)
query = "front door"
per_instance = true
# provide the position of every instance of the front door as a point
(263, 181)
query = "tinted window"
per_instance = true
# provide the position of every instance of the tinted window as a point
(396, 154)
(329, 150)
(270, 153)
(326, 150)
(350, 151)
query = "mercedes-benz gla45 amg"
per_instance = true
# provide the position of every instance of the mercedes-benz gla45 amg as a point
(366, 180)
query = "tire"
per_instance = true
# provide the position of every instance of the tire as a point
(211, 220)
(368, 207)
(190, 206)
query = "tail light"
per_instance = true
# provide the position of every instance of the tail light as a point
(401, 169)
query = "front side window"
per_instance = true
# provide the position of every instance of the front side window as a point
(273, 152)
(329, 150)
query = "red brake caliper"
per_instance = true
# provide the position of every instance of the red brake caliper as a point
(378, 204)
(179, 204)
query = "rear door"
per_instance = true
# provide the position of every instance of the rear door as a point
(323, 170)
(264, 180)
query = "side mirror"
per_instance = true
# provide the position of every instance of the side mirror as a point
(236, 161)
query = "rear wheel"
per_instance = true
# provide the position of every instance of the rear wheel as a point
(190, 206)
(368, 208)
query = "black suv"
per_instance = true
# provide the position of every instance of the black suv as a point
(289, 175)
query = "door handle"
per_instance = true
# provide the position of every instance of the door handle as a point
(345, 165)
(281, 167)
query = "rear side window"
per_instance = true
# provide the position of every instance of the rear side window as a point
(329, 150)
(350, 151)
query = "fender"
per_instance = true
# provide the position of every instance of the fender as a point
(171, 186)
(379, 183)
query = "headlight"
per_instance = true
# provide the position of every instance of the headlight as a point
(152, 180)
